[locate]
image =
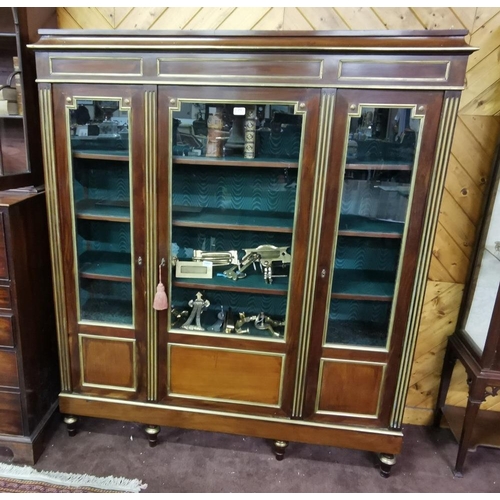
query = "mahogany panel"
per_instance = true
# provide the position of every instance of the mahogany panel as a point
(5, 300)
(108, 362)
(10, 410)
(262, 68)
(225, 374)
(360, 383)
(6, 331)
(103, 65)
(4, 265)
(8, 374)
(390, 69)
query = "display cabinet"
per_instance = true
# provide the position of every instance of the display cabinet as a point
(29, 375)
(242, 225)
(476, 342)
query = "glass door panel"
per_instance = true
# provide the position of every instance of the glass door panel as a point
(233, 190)
(486, 283)
(378, 176)
(101, 208)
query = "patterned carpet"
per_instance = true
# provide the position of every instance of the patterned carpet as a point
(24, 486)
(25, 479)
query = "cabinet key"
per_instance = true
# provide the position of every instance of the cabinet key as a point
(323, 273)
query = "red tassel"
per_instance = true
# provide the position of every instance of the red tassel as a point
(161, 302)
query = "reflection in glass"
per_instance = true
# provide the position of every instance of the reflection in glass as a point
(380, 156)
(487, 284)
(224, 130)
(233, 191)
(101, 196)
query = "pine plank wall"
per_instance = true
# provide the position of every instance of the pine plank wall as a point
(477, 130)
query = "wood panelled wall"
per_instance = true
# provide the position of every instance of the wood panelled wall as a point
(477, 132)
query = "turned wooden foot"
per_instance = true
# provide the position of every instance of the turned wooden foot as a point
(70, 422)
(279, 449)
(152, 431)
(386, 463)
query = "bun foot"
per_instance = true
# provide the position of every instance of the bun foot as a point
(70, 422)
(279, 449)
(152, 431)
(386, 463)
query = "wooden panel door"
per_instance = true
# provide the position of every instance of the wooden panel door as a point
(99, 132)
(235, 183)
(377, 179)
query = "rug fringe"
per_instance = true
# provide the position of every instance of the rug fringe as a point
(70, 479)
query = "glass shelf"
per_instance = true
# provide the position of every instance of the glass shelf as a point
(113, 266)
(235, 162)
(354, 225)
(102, 155)
(363, 285)
(379, 166)
(252, 283)
(103, 210)
(244, 220)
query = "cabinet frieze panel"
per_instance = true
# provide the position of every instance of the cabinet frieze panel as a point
(301, 69)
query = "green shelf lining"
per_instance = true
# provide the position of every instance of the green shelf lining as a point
(112, 311)
(356, 333)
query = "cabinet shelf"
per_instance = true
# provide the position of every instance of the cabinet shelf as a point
(354, 225)
(15, 117)
(102, 155)
(103, 210)
(253, 283)
(407, 167)
(111, 266)
(243, 220)
(234, 162)
(353, 284)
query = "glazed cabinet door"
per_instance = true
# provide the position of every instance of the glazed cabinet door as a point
(377, 179)
(99, 135)
(235, 183)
